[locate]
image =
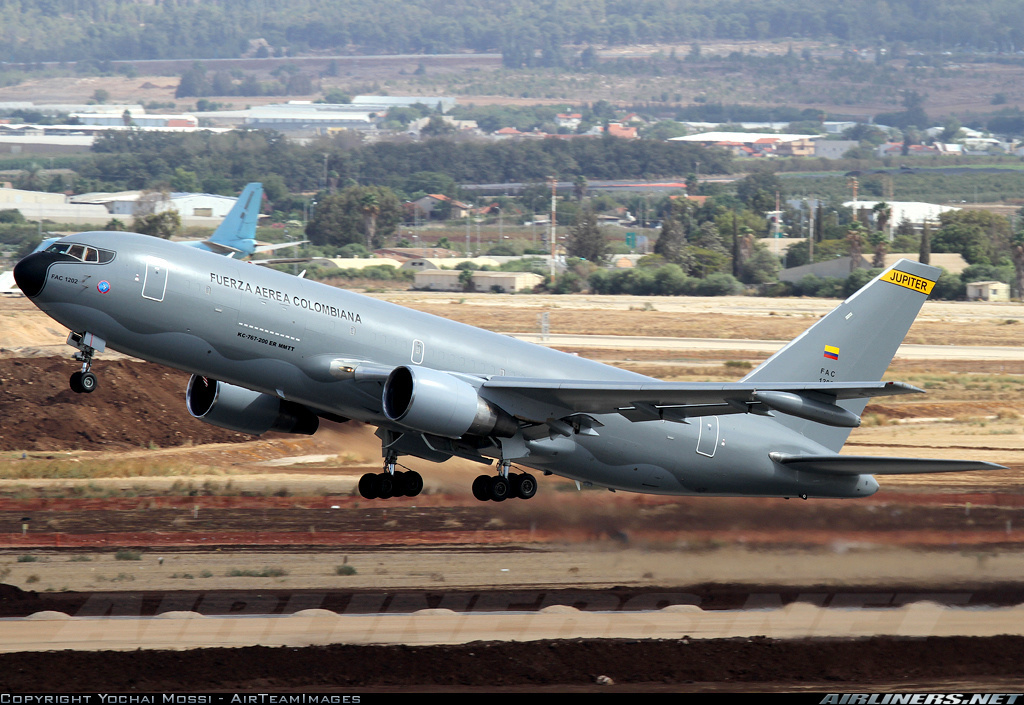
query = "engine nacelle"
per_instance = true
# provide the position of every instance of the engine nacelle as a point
(240, 409)
(441, 404)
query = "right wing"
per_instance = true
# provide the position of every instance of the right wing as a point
(677, 401)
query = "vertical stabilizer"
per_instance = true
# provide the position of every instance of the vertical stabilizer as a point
(854, 343)
(238, 229)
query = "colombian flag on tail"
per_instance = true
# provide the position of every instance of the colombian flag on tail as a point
(832, 353)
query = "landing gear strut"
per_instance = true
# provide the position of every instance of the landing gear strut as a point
(88, 345)
(391, 482)
(504, 485)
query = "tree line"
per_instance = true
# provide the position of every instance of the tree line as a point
(526, 31)
(222, 163)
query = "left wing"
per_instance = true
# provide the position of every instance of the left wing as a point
(677, 401)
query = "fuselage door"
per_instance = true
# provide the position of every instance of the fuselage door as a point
(155, 285)
(707, 442)
(417, 352)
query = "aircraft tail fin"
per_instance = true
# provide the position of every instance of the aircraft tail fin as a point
(855, 342)
(239, 224)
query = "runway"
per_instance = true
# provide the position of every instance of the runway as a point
(47, 631)
(631, 342)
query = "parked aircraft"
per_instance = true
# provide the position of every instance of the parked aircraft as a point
(268, 351)
(236, 235)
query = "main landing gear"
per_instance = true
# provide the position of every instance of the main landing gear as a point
(85, 381)
(504, 485)
(391, 482)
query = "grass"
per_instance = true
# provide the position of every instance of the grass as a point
(127, 555)
(345, 570)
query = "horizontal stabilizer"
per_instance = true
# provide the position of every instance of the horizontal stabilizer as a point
(871, 465)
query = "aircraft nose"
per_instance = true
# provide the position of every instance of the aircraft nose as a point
(30, 272)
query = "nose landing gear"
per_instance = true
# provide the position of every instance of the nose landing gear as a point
(88, 345)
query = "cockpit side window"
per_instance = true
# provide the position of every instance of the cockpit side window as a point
(82, 253)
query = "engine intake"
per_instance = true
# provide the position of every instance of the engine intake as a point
(441, 404)
(246, 411)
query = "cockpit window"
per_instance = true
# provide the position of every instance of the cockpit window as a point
(83, 253)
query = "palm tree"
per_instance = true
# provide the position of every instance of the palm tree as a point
(883, 214)
(855, 236)
(370, 207)
(881, 244)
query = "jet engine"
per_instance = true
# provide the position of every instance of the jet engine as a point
(240, 409)
(442, 404)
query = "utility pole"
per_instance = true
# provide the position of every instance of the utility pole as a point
(554, 240)
(810, 234)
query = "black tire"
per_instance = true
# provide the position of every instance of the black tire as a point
(525, 486)
(368, 486)
(89, 382)
(411, 484)
(499, 489)
(76, 383)
(385, 485)
(482, 488)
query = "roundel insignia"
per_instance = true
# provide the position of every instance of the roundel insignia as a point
(103, 287)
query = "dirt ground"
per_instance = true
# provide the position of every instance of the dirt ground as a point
(202, 512)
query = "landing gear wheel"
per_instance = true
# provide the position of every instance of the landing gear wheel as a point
(385, 485)
(411, 484)
(368, 486)
(524, 485)
(88, 382)
(76, 383)
(482, 488)
(499, 489)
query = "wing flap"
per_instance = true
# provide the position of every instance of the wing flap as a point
(872, 465)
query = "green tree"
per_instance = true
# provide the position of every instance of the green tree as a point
(357, 214)
(758, 191)
(1017, 253)
(164, 224)
(671, 242)
(981, 237)
(760, 267)
(586, 239)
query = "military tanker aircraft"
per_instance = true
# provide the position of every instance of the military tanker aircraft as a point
(270, 351)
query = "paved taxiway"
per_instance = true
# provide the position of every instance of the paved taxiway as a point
(49, 631)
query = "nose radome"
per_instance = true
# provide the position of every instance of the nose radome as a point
(30, 272)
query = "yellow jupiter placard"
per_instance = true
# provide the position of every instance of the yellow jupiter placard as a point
(895, 276)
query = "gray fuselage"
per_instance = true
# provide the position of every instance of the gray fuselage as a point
(278, 334)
